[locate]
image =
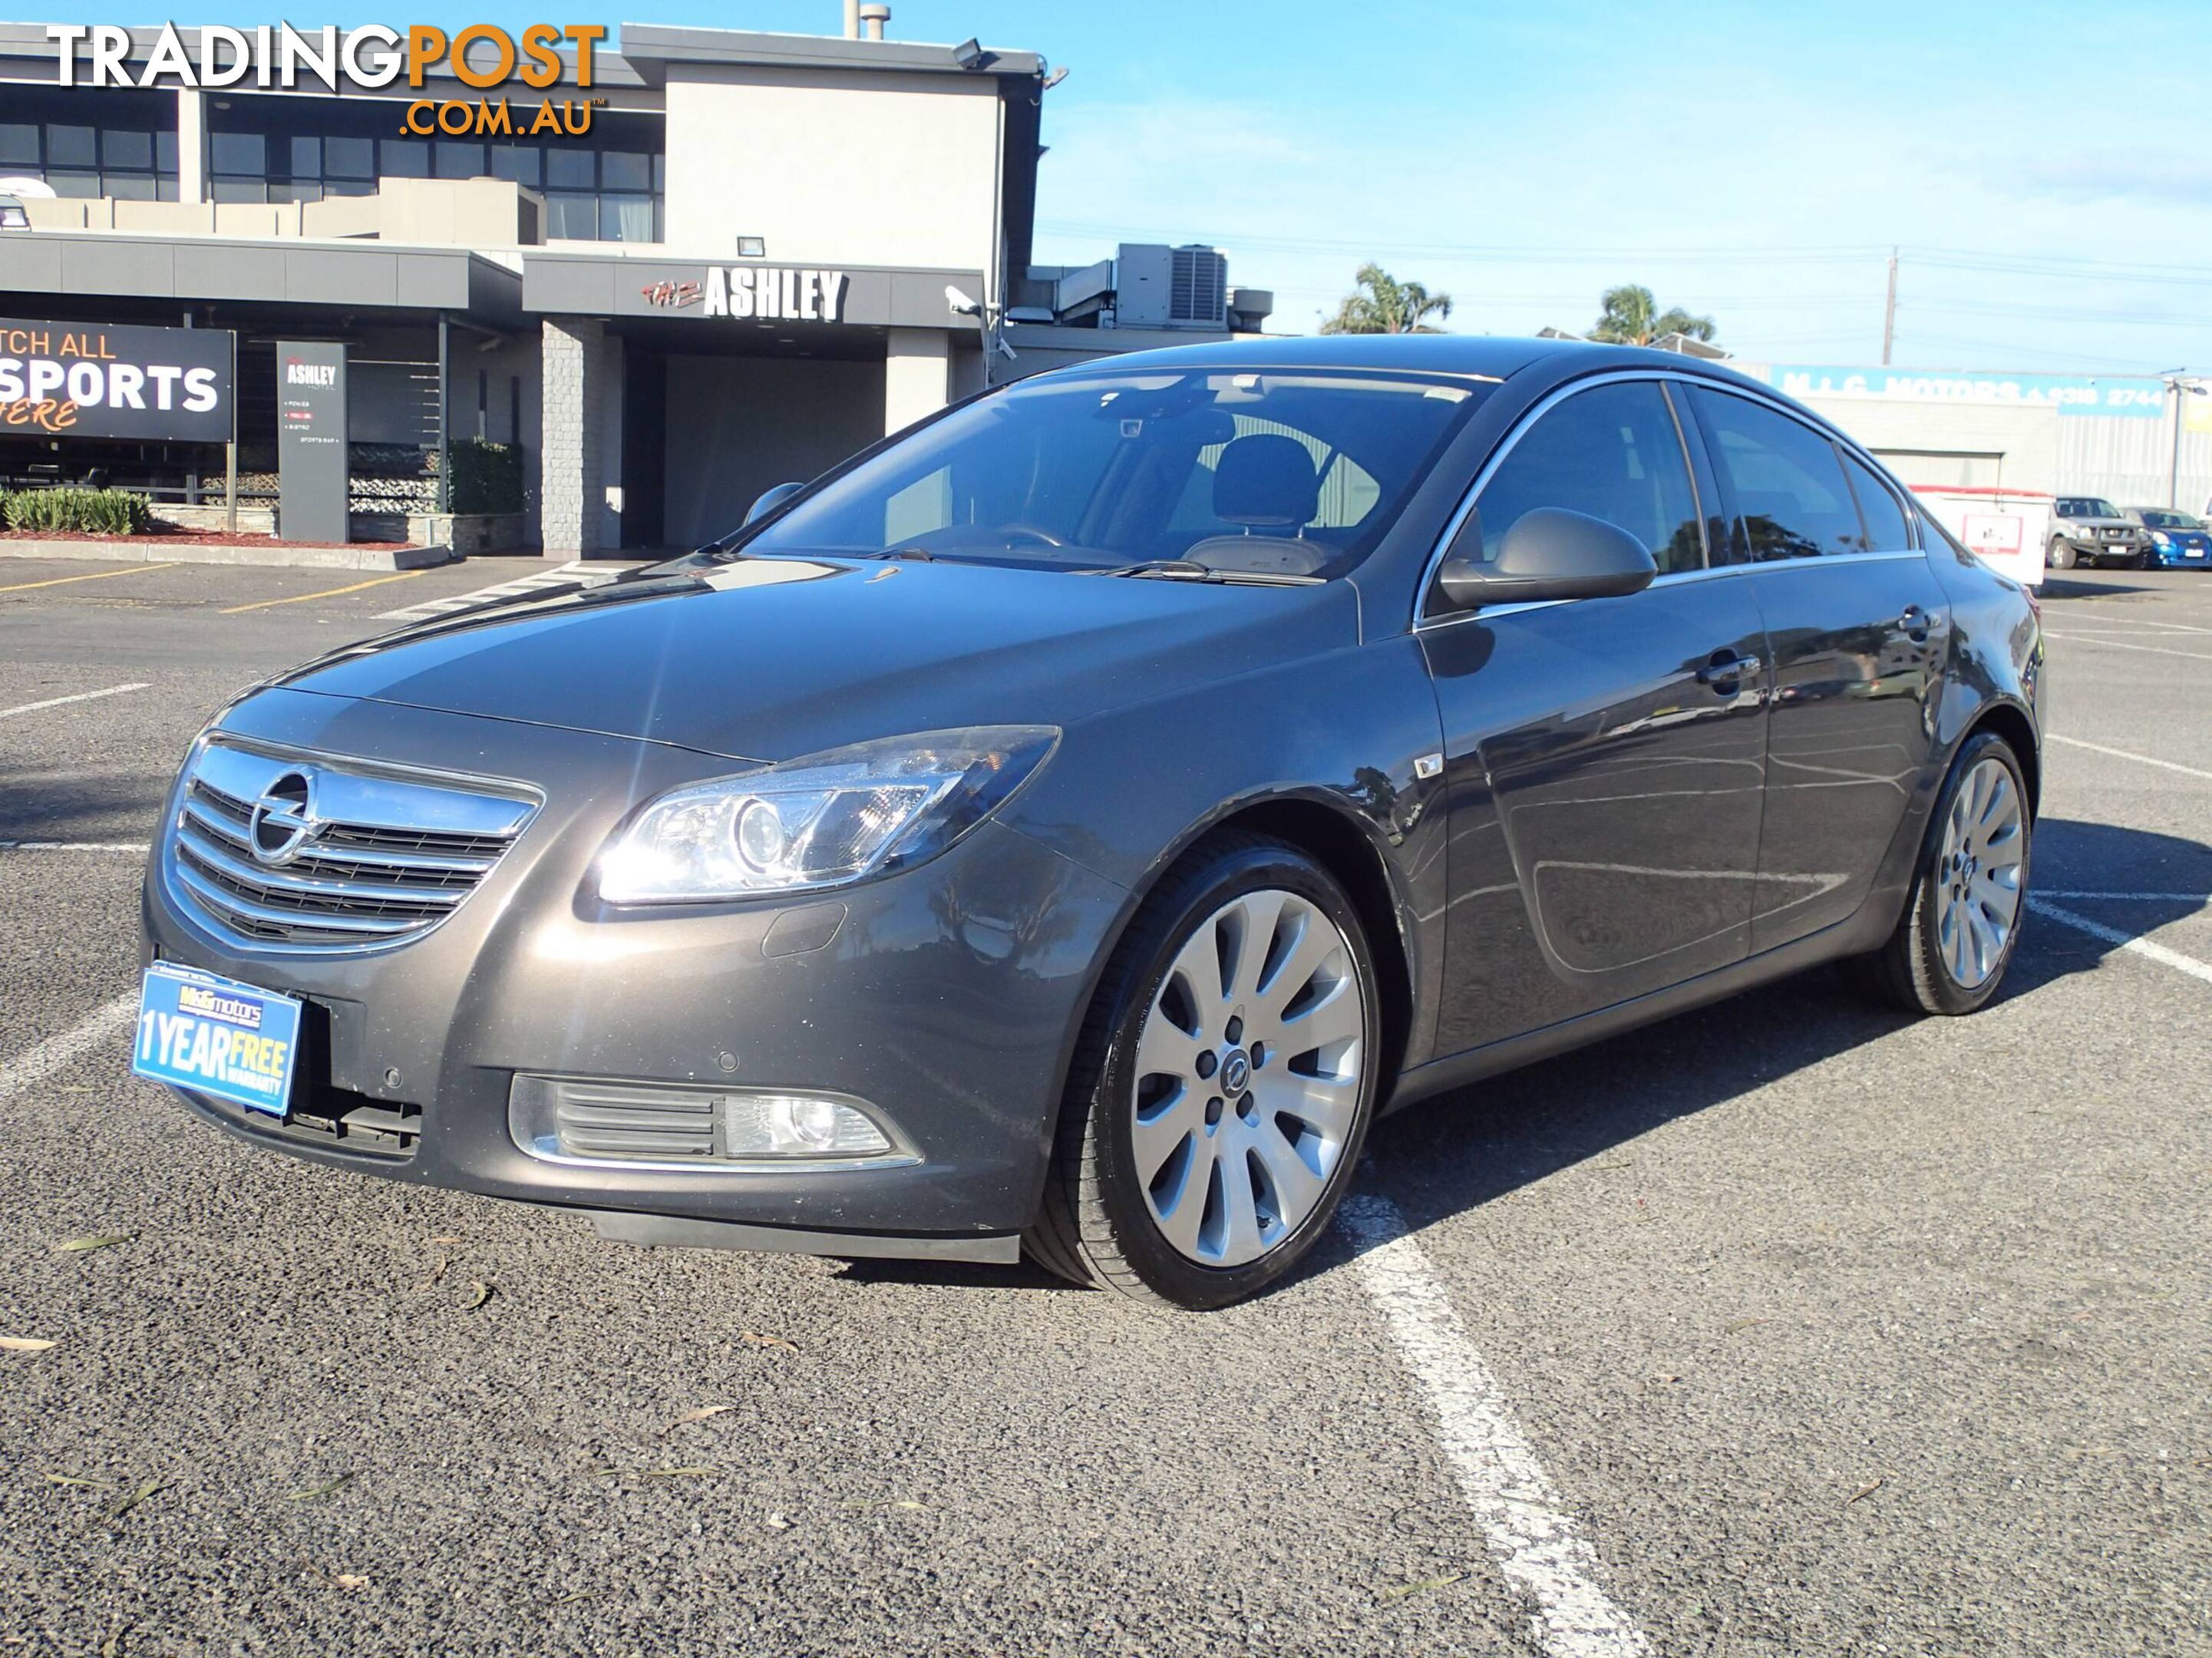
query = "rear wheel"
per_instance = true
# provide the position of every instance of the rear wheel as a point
(1956, 937)
(1223, 1086)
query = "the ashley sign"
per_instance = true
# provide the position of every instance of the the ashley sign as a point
(72, 380)
(776, 295)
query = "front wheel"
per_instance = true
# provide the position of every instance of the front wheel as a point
(2059, 555)
(1223, 1084)
(1956, 937)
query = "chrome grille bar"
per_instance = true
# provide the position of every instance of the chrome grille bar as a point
(307, 853)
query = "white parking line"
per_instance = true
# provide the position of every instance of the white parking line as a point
(81, 696)
(2122, 754)
(2126, 941)
(75, 846)
(1499, 1478)
(2133, 897)
(590, 573)
(2115, 645)
(59, 1053)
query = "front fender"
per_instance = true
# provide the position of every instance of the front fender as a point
(1132, 790)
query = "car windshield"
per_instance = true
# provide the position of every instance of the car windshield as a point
(1292, 475)
(2160, 518)
(2087, 507)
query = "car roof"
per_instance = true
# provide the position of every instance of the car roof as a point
(1485, 355)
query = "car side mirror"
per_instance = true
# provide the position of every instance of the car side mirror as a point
(772, 500)
(1551, 553)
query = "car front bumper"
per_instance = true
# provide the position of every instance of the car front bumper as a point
(946, 998)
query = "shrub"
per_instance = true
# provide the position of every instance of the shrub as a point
(487, 476)
(77, 511)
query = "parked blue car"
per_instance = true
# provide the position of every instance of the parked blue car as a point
(2178, 541)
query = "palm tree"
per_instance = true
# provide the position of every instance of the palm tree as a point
(1630, 316)
(1386, 306)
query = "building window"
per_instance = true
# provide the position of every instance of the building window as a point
(607, 187)
(117, 143)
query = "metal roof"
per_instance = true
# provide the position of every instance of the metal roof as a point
(641, 59)
(649, 45)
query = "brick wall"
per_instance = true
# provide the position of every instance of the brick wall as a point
(572, 468)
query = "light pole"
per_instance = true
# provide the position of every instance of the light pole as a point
(2179, 386)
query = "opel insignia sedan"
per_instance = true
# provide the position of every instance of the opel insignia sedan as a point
(1063, 828)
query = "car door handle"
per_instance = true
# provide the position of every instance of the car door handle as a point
(1916, 622)
(1726, 669)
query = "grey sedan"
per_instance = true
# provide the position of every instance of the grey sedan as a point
(1064, 827)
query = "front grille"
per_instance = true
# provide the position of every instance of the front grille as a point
(308, 854)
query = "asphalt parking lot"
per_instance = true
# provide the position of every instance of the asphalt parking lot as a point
(1790, 1327)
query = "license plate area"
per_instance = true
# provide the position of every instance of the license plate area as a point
(216, 1037)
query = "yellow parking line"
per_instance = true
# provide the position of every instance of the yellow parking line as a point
(328, 592)
(97, 575)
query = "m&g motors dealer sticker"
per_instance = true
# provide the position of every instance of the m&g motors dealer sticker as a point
(215, 1036)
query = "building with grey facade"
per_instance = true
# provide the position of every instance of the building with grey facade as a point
(2139, 441)
(730, 260)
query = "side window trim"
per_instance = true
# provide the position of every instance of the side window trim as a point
(1716, 511)
(1700, 489)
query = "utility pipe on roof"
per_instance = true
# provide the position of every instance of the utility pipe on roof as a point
(852, 20)
(873, 15)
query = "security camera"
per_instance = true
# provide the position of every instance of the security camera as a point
(961, 304)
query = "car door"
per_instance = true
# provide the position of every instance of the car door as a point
(1604, 758)
(1860, 627)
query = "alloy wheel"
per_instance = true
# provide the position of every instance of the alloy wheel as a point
(1248, 1075)
(1978, 873)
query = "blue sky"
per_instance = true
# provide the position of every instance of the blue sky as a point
(2046, 169)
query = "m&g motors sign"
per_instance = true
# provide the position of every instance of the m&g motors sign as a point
(70, 380)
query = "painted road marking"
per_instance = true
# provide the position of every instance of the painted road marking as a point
(63, 580)
(1499, 1478)
(59, 1053)
(2127, 941)
(2131, 898)
(588, 573)
(81, 696)
(2122, 754)
(2115, 645)
(75, 846)
(327, 592)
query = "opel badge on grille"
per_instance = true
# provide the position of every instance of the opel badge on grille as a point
(283, 818)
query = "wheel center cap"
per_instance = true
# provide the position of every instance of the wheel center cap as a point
(1235, 1074)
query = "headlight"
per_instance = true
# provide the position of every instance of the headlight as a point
(821, 821)
(2159, 536)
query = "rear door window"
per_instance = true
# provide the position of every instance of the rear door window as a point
(1884, 518)
(1791, 500)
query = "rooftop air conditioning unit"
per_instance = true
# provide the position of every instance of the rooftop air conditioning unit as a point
(1160, 287)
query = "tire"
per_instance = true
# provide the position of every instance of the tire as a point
(1956, 937)
(1166, 1186)
(2059, 555)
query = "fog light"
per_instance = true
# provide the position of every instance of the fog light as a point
(796, 1125)
(586, 1120)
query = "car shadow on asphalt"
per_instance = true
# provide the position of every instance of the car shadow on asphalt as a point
(77, 804)
(1462, 1149)
(2058, 588)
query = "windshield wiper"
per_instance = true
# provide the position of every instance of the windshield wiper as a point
(919, 555)
(1186, 569)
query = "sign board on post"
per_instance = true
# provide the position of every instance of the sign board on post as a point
(77, 380)
(312, 474)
